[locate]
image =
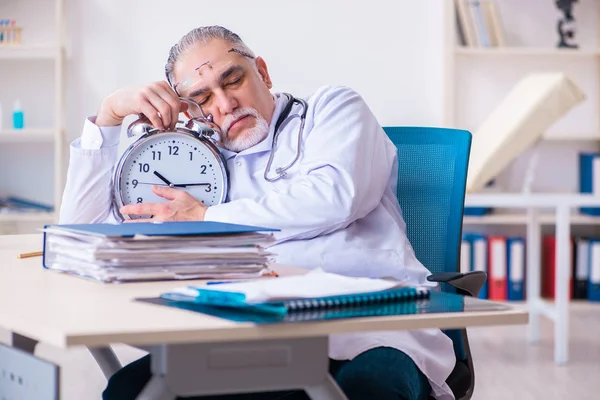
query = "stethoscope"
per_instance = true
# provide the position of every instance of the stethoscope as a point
(284, 118)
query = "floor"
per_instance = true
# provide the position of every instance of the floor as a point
(507, 366)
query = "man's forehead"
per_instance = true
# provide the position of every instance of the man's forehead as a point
(213, 55)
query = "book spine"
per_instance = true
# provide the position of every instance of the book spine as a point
(404, 293)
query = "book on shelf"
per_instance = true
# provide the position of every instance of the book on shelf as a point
(504, 260)
(478, 24)
(14, 205)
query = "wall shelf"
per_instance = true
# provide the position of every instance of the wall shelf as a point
(32, 51)
(27, 135)
(50, 50)
(521, 219)
(525, 51)
(37, 217)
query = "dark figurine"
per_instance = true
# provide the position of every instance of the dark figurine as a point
(566, 26)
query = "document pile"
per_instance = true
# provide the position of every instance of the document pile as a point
(155, 251)
(316, 295)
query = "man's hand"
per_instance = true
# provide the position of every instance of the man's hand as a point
(157, 101)
(181, 207)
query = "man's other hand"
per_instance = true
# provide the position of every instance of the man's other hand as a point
(181, 207)
(157, 101)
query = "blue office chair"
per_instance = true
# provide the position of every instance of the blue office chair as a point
(432, 175)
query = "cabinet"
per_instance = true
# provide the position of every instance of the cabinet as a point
(32, 158)
(476, 78)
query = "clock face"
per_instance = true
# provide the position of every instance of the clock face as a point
(171, 159)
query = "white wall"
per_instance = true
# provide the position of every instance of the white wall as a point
(390, 51)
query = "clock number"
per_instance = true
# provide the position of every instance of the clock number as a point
(208, 188)
(173, 150)
(154, 154)
(203, 169)
(134, 183)
(191, 155)
(144, 167)
(140, 200)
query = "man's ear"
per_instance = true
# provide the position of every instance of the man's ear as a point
(261, 66)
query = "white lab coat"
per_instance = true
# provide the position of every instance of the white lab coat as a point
(336, 208)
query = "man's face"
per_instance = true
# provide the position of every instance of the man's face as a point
(230, 86)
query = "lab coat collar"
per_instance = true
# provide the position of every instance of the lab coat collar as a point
(267, 143)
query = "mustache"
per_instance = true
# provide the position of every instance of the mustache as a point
(237, 114)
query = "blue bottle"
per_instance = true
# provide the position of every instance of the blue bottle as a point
(18, 118)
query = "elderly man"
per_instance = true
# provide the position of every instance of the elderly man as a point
(336, 207)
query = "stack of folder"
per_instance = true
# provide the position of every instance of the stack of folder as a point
(316, 295)
(157, 251)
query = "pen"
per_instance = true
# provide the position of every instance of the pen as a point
(33, 254)
(220, 282)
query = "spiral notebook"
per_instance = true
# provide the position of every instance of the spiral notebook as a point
(296, 297)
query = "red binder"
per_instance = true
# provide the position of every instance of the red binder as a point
(497, 268)
(549, 267)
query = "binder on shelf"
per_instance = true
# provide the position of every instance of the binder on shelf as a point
(594, 271)
(465, 256)
(516, 268)
(498, 268)
(479, 257)
(548, 274)
(314, 291)
(581, 268)
(589, 179)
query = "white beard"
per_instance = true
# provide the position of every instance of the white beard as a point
(251, 137)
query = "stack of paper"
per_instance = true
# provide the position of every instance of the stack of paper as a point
(312, 291)
(149, 251)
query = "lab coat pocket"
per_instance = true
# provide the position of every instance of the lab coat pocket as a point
(371, 263)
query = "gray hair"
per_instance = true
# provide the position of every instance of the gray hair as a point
(203, 34)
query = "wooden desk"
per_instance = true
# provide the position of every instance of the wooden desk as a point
(64, 311)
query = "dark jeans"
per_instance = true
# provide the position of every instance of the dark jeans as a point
(382, 373)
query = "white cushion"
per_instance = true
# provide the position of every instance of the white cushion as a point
(532, 106)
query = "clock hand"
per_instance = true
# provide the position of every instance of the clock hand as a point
(150, 183)
(162, 178)
(191, 184)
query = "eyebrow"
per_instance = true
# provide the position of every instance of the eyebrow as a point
(224, 75)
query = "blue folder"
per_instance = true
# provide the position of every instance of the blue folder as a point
(587, 178)
(436, 302)
(188, 228)
(473, 239)
(515, 286)
(593, 272)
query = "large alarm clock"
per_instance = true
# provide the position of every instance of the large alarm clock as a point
(184, 158)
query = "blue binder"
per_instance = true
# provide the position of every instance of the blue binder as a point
(587, 163)
(594, 271)
(435, 302)
(515, 249)
(188, 228)
(479, 257)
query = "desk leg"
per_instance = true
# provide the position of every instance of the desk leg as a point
(562, 273)
(533, 273)
(106, 359)
(327, 390)
(157, 388)
(23, 343)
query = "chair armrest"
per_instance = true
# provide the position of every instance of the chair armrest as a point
(467, 283)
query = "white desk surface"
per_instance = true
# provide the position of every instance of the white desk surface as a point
(64, 311)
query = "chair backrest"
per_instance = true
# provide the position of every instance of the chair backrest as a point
(432, 176)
